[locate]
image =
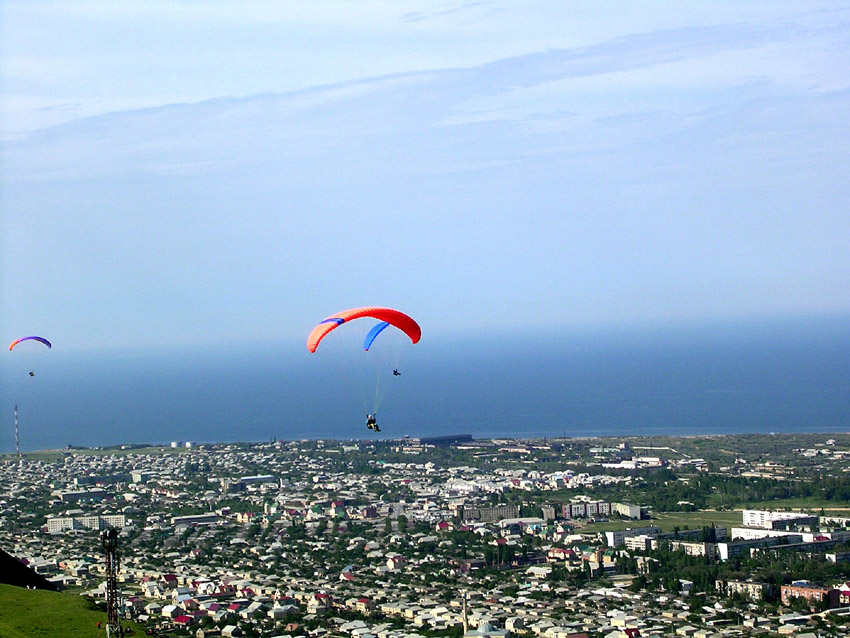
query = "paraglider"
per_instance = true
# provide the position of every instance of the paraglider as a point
(39, 339)
(33, 338)
(368, 368)
(377, 329)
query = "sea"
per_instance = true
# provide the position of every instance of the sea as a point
(711, 378)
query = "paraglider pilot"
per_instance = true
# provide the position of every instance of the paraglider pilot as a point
(396, 373)
(371, 423)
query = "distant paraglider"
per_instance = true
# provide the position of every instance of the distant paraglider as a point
(377, 329)
(39, 339)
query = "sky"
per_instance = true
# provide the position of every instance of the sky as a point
(183, 173)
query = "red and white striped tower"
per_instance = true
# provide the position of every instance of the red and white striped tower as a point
(17, 441)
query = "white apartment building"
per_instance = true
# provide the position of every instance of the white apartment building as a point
(65, 523)
(618, 537)
(766, 518)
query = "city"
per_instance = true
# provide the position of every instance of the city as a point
(449, 536)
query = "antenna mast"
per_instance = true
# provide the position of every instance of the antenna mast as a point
(109, 539)
(17, 441)
(465, 617)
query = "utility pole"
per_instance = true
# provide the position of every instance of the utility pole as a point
(109, 540)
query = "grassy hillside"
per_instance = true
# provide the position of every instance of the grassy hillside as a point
(27, 613)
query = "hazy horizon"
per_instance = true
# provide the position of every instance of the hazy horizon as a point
(734, 378)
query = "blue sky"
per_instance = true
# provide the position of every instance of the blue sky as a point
(200, 173)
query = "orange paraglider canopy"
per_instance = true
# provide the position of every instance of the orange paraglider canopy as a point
(394, 317)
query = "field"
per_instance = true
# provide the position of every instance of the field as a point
(667, 521)
(27, 613)
(813, 505)
(56, 456)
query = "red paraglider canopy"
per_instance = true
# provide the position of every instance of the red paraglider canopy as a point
(394, 317)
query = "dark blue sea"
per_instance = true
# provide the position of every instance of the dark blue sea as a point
(770, 376)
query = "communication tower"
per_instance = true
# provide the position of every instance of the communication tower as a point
(109, 540)
(17, 441)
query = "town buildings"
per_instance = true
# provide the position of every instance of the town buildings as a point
(359, 542)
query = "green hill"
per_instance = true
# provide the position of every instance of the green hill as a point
(32, 613)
